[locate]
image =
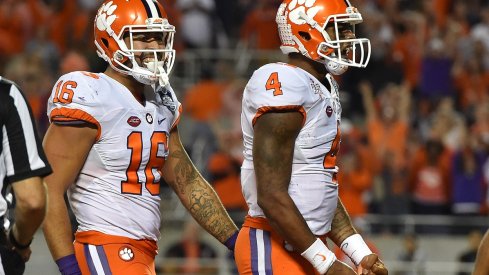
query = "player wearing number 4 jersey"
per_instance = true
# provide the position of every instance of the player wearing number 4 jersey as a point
(113, 139)
(291, 121)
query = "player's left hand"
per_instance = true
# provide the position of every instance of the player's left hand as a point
(372, 265)
(25, 253)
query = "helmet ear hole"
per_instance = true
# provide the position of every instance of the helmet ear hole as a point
(305, 35)
(105, 41)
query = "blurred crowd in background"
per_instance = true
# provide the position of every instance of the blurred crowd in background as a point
(415, 127)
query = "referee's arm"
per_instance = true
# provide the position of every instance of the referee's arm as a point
(25, 166)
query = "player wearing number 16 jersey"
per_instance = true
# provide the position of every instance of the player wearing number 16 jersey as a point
(291, 117)
(113, 139)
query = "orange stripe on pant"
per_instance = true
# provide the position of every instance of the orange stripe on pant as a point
(261, 251)
(99, 253)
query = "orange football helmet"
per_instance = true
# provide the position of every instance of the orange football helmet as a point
(119, 19)
(302, 28)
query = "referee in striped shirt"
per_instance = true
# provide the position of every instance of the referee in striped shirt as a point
(22, 167)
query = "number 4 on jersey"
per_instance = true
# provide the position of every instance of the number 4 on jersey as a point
(274, 84)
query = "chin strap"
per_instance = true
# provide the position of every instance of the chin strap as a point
(163, 79)
(335, 68)
(157, 67)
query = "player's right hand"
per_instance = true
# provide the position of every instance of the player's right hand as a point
(372, 265)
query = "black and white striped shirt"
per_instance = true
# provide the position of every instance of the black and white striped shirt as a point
(21, 153)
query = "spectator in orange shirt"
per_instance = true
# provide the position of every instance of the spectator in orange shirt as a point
(480, 127)
(203, 101)
(408, 47)
(15, 22)
(387, 125)
(447, 124)
(259, 30)
(355, 180)
(225, 178)
(430, 179)
(394, 195)
(60, 23)
(471, 80)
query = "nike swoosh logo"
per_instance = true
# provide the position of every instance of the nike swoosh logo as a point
(161, 120)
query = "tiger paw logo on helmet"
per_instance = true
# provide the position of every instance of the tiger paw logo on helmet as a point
(293, 12)
(297, 7)
(105, 16)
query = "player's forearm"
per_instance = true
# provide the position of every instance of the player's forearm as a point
(27, 221)
(57, 229)
(285, 218)
(198, 196)
(341, 227)
(30, 209)
(206, 208)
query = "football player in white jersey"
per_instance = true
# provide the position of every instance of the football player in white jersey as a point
(290, 118)
(112, 140)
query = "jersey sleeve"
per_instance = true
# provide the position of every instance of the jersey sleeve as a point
(73, 100)
(275, 88)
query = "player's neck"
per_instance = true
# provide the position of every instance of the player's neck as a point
(135, 87)
(317, 69)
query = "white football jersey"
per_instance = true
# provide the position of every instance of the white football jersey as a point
(280, 86)
(117, 190)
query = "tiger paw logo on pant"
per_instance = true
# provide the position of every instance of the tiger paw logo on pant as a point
(126, 254)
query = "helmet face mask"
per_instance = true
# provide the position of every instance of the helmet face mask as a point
(136, 39)
(146, 63)
(316, 29)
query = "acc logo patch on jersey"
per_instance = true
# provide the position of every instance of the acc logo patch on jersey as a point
(126, 254)
(134, 121)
